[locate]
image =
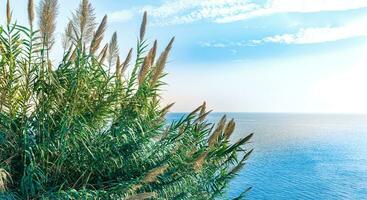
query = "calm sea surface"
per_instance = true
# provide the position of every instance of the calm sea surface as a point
(301, 156)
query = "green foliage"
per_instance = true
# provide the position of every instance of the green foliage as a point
(77, 130)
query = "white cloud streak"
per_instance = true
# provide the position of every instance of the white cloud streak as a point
(121, 16)
(315, 35)
(320, 34)
(226, 11)
(296, 6)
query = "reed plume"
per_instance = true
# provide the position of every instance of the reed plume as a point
(98, 36)
(217, 132)
(8, 12)
(203, 109)
(103, 54)
(166, 109)
(125, 64)
(67, 36)
(30, 13)
(202, 117)
(198, 164)
(161, 62)
(195, 111)
(154, 173)
(143, 26)
(84, 22)
(153, 52)
(142, 196)
(113, 50)
(47, 21)
(229, 129)
(144, 69)
(5, 178)
(118, 67)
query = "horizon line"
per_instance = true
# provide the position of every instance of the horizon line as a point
(262, 112)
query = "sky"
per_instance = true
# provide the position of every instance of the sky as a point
(247, 55)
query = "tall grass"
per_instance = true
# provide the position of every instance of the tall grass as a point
(84, 128)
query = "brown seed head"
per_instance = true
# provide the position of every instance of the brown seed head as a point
(47, 21)
(103, 54)
(213, 139)
(84, 21)
(125, 64)
(229, 129)
(166, 109)
(98, 36)
(66, 38)
(161, 62)
(198, 164)
(5, 178)
(142, 196)
(118, 67)
(143, 26)
(154, 173)
(144, 69)
(113, 50)
(153, 52)
(8, 12)
(30, 13)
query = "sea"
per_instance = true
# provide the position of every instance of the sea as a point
(300, 156)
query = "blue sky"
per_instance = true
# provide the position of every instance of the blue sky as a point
(249, 55)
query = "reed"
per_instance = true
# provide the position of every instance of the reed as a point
(47, 21)
(93, 126)
(30, 13)
(98, 36)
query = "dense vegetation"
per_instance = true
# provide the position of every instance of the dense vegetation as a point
(91, 126)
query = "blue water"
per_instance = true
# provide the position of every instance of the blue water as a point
(301, 156)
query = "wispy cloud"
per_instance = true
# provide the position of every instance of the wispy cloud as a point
(314, 35)
(225, 11)
(187, 11)
(121, 16)
(319, 34)
(295, 6)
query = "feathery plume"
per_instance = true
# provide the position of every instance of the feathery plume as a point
(113, 50)
(84, 21)
(196, 110)
(203, 108)
(144, 69)
(154, 173)
(198, 164)
(47, 21)
(5, 178)
(102, 56)
(201, 117)
(229, 129)
(143, 26)
(215, 135)
(118, 67)
(166, 109)
(142, 196)
(30, 13)
(125, 64)
(153, 52)
(161, 62)
(8, 12)
(202, 113)
(66, 38)
(98, 36)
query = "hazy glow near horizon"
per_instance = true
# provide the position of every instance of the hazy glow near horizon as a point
(249, 55)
